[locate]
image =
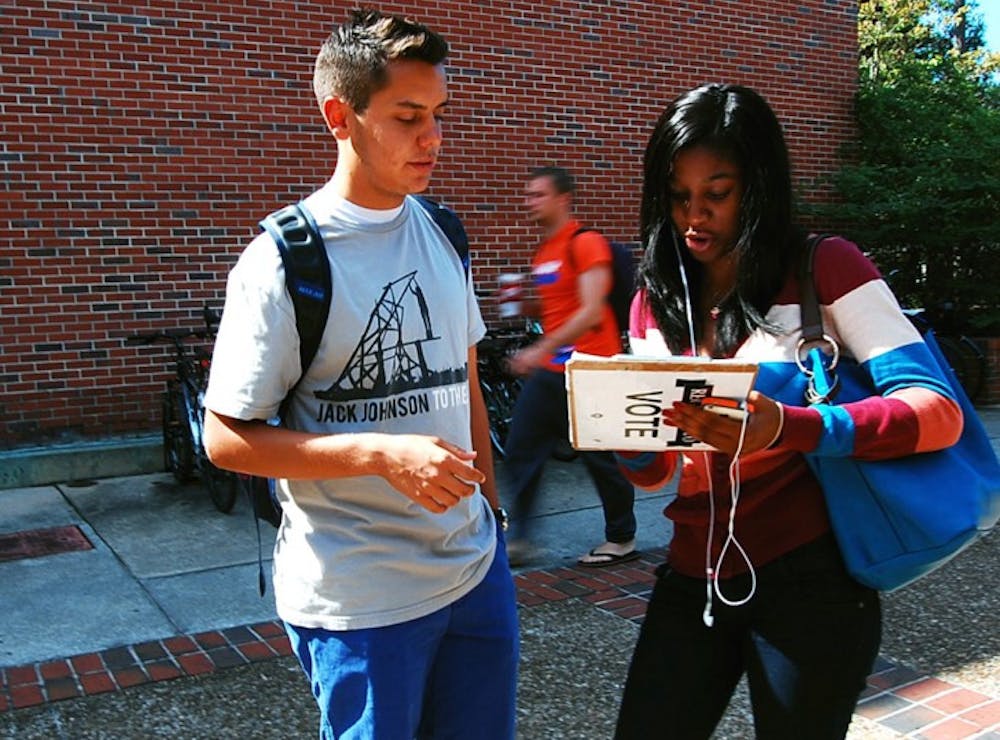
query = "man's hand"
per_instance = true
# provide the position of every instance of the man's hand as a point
(724, 433)
(428, 470)
(524, 361)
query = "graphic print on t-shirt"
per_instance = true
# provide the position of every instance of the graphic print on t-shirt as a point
(390, 357)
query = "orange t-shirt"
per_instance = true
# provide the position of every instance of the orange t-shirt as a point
(555, 275)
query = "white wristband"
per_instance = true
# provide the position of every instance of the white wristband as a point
(781, 426)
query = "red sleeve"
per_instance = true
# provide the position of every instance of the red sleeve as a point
(589, 249)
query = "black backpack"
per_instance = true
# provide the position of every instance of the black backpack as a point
(307, 276)
(622, 279)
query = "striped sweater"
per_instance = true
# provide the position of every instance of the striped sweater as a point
(781, 505)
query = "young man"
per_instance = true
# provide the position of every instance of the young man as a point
(397, 598)
(572, 276)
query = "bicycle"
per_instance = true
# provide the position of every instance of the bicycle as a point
(183, 413)
(500, 388)
(966, 359)
(964, 356)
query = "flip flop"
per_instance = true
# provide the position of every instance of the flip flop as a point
(604, 559)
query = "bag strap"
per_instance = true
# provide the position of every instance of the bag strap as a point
(812, 320)
(823, 383)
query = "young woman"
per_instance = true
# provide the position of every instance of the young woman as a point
(754, 583)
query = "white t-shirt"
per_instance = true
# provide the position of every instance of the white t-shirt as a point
(354, 553)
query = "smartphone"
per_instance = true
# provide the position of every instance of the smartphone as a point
(731, 408)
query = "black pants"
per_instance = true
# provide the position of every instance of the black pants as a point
(540, 421)
(807, 641)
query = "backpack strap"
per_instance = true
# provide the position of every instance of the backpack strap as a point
(307, 269)
(310, 285)
(569, 247)
(307, 276)
(451, 225)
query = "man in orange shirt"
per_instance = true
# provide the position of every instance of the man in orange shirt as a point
(572, 274)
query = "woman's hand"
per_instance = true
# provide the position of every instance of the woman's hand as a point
(763, 424)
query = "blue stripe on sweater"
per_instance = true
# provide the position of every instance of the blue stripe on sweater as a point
(905, 367)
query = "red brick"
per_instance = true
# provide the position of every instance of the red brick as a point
(254, 651)
(180, 645)
(26, 696)
(130, 677)
(210, 639)
(599, 597)
(268, 629)
(55, 669)
(924, 688)
(163, 670)
(571, 574)
(950, 729)
(528, 599)
(957, 701)
(195, 663)
(61, 688)
(88, 663)
(97, 683)
(986, 715)
(22, 675)
(531, 578)
(281, 645)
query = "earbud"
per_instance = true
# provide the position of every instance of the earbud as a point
(706, 616)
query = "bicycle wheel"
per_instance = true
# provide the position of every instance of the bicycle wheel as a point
(499, 398)
(178, 447)
(976, 367)
(955, 356)
(222, 485)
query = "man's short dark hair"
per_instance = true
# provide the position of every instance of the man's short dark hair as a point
(562, 180)
(352, 61)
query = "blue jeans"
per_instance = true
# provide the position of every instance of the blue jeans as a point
(807, 641)
(451, 674)
(540, 420)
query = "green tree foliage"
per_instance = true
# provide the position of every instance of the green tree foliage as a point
(921, 189)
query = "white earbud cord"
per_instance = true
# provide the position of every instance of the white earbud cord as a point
(712, 573)
(734, 496)
(687, 298)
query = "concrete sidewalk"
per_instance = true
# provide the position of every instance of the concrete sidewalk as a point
(158, 630)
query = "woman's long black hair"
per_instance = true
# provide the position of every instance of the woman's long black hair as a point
(735, 123)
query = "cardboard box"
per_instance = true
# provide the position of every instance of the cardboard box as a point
(616, 403)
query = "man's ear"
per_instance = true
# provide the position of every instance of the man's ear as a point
(336, 113)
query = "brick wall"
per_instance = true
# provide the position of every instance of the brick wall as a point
(990, 394)
(141, 143)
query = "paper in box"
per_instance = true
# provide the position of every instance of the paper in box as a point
(616, 403)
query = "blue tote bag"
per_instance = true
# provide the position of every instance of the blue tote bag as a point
(897, 520)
